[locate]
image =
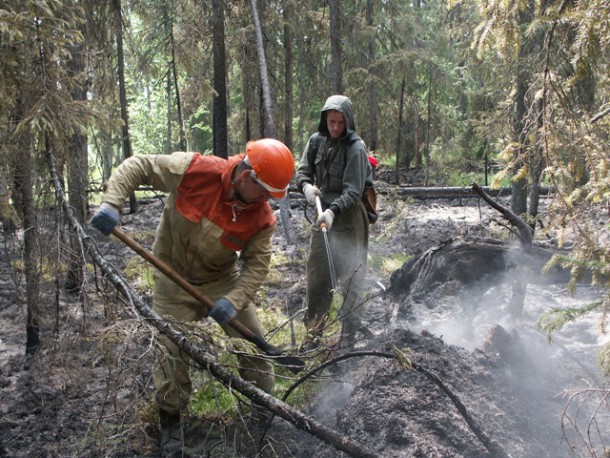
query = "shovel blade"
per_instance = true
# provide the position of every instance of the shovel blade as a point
(292, 363)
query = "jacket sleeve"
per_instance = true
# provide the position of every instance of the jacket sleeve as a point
(354, 178)
(162, 172)
(256, 257)
(304, 173)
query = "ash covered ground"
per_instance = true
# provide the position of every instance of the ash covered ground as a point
(467, 383)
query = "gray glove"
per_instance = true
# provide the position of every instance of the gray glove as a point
(311, 192)
(106, 218)
(327, 217)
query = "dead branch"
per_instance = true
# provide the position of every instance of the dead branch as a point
(198, 354)
(525, 232)
(490, 444)
(600, 115)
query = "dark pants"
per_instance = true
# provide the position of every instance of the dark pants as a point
(348, 240)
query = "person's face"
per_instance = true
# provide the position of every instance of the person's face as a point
(335, 123)
(250, 191)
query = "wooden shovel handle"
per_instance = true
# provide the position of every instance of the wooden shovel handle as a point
(180, 281)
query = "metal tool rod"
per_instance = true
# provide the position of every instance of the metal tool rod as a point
(329, 255)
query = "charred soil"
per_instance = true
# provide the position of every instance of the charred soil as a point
(448, 373)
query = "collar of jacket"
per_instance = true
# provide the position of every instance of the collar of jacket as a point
(204, 193)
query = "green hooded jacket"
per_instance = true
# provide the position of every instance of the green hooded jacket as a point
(338, 167)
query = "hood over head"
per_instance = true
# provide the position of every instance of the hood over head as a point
(343, 105)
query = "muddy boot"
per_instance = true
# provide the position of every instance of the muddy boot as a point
(348, 337)
(171, 434)
(259, 418)
(309, 346)
(259, 413)
(312, 343)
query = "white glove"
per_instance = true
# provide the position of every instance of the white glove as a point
(326, 218)
(311, 192)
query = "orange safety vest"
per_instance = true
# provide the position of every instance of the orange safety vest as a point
(203, 193)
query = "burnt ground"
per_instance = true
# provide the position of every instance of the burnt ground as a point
(469, 379)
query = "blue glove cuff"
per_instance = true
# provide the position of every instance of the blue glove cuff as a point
(223, 311)
(105, 220)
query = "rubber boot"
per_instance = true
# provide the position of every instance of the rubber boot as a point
(348, 337)
(171, 434)
(260, 414)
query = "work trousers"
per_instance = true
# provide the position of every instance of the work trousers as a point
(171, 370)
(348, 239)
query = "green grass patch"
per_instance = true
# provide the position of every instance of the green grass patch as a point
(386, 265)
(141, 272)
(281, 332)
(212, 399)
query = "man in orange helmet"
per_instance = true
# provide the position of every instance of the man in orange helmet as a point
(217, 212)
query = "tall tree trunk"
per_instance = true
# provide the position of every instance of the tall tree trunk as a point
(173, 76)
(269, 129)
(78, 175)
(181, 130)
(429, 122)
(372, 139)
(168, 100)
(118, 18)
(23, 182)
(520, 130)
(518, 201)
(288, 70)
(250, 84)
(25, 170)
(269, 123)
(336, 75)
(518, 197)
(221, 148)
(401, 104)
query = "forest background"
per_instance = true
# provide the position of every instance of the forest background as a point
(498, 92)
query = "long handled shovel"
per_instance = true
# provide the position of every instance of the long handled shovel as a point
(329, 255)
(292, 363)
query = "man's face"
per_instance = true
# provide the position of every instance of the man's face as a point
(251, 191)
(335, 123)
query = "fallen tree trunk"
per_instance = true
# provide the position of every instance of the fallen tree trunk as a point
(451, 192)
(468, 262)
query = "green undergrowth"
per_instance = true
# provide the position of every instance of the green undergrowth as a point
(386, 265)
(141, 273)
(211, 399)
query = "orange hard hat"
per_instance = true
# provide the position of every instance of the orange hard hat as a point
(272, 165)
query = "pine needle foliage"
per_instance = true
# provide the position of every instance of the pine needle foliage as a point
(604, 359)
(558, 50)
(557, 317)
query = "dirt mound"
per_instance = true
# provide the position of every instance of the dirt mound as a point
(452, 403)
